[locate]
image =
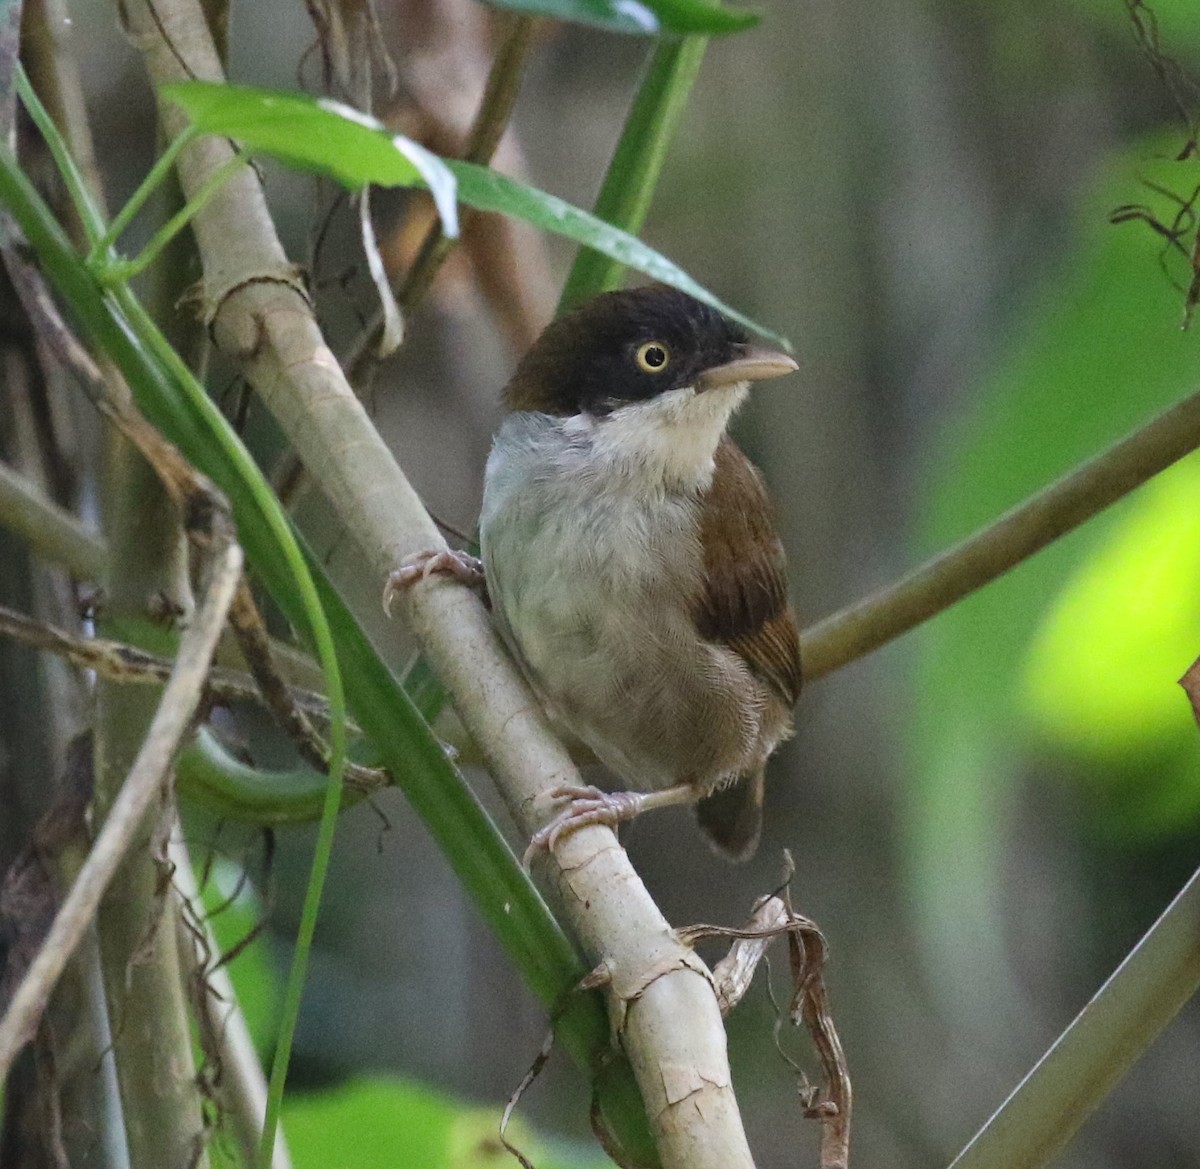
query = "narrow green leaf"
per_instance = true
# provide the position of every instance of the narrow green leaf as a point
(640, 17)
(355, 149)
(637, 162)
(487, 190)
(319, 134)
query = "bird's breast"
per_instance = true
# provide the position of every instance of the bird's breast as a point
(592, 582)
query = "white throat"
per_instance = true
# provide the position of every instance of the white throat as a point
(668, 441)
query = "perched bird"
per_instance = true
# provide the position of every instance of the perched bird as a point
(632, 562)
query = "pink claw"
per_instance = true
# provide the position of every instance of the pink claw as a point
(461, 566)
(588, 805)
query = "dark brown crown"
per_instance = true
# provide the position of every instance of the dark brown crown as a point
(587, 361)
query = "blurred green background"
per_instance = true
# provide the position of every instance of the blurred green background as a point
(984, 816)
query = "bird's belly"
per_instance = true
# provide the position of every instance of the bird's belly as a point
(594, 604)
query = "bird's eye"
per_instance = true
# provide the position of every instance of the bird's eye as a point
(653, 357)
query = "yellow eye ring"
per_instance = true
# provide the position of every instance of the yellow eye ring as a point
(653, 357)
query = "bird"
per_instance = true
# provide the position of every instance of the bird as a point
(632, 562)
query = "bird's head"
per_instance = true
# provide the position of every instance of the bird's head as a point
(634, 346)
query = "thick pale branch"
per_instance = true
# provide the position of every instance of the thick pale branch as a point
(150, 771)
(662, 996)
(1016, 535)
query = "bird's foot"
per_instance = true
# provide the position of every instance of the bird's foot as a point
(588, 805)
(461, 566)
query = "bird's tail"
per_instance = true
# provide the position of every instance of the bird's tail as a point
(731, 816)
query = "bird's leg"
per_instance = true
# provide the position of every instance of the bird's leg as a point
(463, 567)
(590, 805)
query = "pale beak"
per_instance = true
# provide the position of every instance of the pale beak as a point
(754, 365)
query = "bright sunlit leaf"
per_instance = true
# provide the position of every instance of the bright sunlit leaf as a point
(1102, 674)
(356, 149)
(644, 17)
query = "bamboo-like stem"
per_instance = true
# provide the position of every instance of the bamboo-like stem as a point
(661, 997)
(141, 788)
(52, 531)
(152, 1044)
(992, 551)
(1093, 1054)
(151, 1033)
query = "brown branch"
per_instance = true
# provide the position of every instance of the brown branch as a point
(495, 110)
(1015, 536)
(54, 533)
(205, 509)
(279, 698)
(120, 662)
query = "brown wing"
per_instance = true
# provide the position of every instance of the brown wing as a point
(745, 602)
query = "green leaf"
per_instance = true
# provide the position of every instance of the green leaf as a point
(640, 17)
(390, 1122)
(355, 149)
(489, 191)
(319, 134)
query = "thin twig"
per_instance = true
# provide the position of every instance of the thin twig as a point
(120, 662)
(151, 769)
(772, 916)
(275, 693)
(54, 533)
(807, 950)
(195, 494)
(992, 551)
(241, 1086)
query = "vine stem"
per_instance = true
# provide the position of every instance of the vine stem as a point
(953, 574)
